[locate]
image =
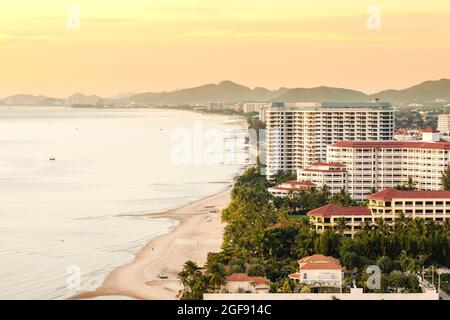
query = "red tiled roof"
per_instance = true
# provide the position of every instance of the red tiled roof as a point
(390, 193)
(295, 275)
(238, 277)
(329, 164)
(295, 185)
(430, 130)
(242, 277)
(320, 170)
(319, 261)
(287, 189)
(401, 131)
(259, 280)
(393, 144)
(301, 183)
(333, 210)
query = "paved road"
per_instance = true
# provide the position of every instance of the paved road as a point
(443, 295)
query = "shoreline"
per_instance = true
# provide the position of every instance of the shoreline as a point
(199, 231)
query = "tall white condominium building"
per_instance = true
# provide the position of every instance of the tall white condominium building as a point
(386, 164)
(298, 134)
(444, 123)
(216, 106)
(253, 106)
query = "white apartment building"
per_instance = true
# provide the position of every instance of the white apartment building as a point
(386, 164)
(298, 134)
(263, 114)
(253, 106)
(444, 123)
(333, 175)
(216, 106)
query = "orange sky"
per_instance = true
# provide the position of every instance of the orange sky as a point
(153, 45)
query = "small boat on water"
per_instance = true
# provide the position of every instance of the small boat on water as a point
(52, 158)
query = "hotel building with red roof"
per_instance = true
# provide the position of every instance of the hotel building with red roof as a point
(327, 217)
(388, 204)
(359, 166)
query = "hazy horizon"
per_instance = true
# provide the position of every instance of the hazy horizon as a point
(136, 46)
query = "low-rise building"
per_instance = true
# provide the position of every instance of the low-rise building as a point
(389, 204)
(291, 186)
(319, 272)
(240, 283)
(330, 216)
(431, 135)
(333, 175)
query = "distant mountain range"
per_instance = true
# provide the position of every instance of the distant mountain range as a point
(227, 91)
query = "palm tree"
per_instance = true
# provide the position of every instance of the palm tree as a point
(386, 264)
(382, 227)
(183, 277)
(189, 273)
(325, 193)
(446, 225)
(216, 275)
(397, 279)
(411, 185)
(413, 283)
(400, 221)
(404, 261)
(341, 224)
(366, 226)
(382, 231)
(417, 227)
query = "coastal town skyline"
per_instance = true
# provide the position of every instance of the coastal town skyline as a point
(225, 150)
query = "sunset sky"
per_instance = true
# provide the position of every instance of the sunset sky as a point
(153, 45)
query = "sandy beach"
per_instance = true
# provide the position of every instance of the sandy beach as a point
(199, 232)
